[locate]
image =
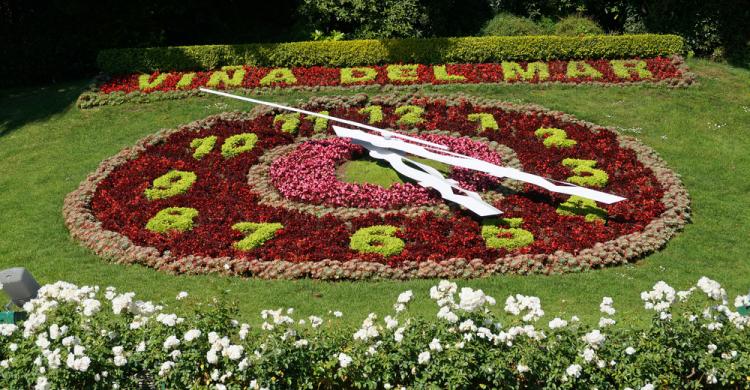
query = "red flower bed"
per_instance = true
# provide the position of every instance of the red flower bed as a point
(659, 69)
(109, 212)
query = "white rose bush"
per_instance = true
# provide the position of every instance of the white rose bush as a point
(86, 337)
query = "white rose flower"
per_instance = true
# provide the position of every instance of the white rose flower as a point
(574, 370)
(42, 341)
(467, 326)
(212, 357)
(167, 319)
(78, 350)
(91, 307)
(606, 306)
(557, 323)
(594, 338)
(344, 360)
(165, 367)
(234, 352)
(54, 331)
(711, 288)
(192, 334)
(435, 345)
(521, 368)
(315, 321)
(589, 355)
(390, 322)
(7, 329)
(398, 335)
(423, 358)
(170, 343)
(41, 383)
(604, 322)
(470, 300)
(120, 361)
(445, 313)
(244, 330)
(405, 297)
(122, 302)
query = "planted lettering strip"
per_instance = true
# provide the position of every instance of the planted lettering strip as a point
(259, 195)
(169, 85)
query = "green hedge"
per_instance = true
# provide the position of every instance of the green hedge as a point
(371, 52)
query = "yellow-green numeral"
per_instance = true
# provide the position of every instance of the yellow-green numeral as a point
(587, 208)
(172, 219)
(170, 184)
(379, 239)
(555, 137)
(409, 115)
(486, 121)
(203, 146)
(256, 233)
(585, 173)
(519, 238)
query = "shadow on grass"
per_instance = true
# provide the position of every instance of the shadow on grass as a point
(21, 106)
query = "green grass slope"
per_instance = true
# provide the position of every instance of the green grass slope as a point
(47, 147)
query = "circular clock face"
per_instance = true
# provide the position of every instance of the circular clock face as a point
(278, 195)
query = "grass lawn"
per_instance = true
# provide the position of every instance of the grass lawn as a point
(47, 146)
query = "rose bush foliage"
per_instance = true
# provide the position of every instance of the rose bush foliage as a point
(87, 337)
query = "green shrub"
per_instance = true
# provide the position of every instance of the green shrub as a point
(102, 338)
(505, 24)
(366, 19)
(373, 52)
(577, 25)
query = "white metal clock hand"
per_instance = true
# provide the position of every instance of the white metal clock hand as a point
(459, 160)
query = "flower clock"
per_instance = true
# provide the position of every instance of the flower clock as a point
(276, 194)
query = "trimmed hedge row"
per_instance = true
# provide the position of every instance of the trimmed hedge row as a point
(372, 52)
